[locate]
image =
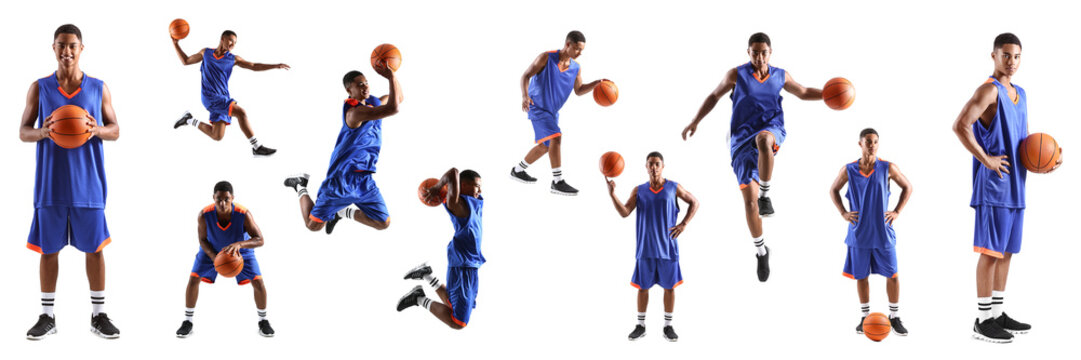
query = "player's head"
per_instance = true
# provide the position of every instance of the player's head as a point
(469, 181)
(68, 44)
(655, 164)
(356, 85)
(869, 142)
(1007, 53)
(228, 40)
(223, 196)
(576, 42)
(759, 48)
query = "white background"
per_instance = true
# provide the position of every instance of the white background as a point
(557, 278)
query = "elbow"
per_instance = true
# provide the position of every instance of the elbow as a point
(392, 108)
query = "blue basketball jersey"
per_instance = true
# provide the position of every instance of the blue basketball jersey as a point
(869, 194)
(551, 87)
(1007, 130)
(357, 149)
(216, 73)
(657, 212)
(756, 106)
(70, 177)
(464, 249)
(220, 235)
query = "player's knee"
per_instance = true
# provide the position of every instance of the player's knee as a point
(764, 140)
(217, 136)
(238, 111)
(556, 141)
(314, 226)
(382, 225)
(670, 291)
(456, 326)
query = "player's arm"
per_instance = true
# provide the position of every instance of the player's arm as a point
(240, 62)
(534, 68)
(185, 58)
(110, 129)
(727, 84)
(203, 242)
(400, 95)
(454, 199)
(984, 97)
(803, 93)
(359, 114)
(624, 209)
(688, 198)
(580, 89)
(835, 194)
(906, 192)
(27, 131)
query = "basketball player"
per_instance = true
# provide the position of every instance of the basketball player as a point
(871, 238)
(657, 251)
(69, 185)
(757, 131)
(546, 85)
(217, 67)
(459, 295)
(991, 127)
(217, 234)
(349, 177)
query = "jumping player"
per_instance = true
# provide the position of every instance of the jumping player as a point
(546, 85)
(757, 131)
(349, 177)
(217, 67)
(217, 234)
(991, 127)
(69, 185)
(657, 250)
(459, 295)
(871, 238)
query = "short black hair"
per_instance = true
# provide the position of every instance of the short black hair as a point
(350, 76)
(228, 33)
(1006, 38)
(656, 154)
(468, 175)
(68, 29)
(759, 37)
(576, 36)
(223, 186)
(867, 131)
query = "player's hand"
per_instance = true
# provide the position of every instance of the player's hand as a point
(891, 216)
(92, 124)
(998, 164)
(46, 132)
(233, 249)
(689, 130)
(383, 70)
(433, 193)
(526, 103)
(852, 217)
(676, 230)
(1057, 163)
(283, 66)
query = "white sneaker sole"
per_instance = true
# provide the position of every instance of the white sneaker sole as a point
(265, 335)
(185, 335)
(1015, 332)
(418, 267)
(978, 336)
(637, 338)
(557, 192)
(47, 333)
(99, 333)
(515, 178)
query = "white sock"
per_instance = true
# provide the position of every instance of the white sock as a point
(893, 310)
(642, 318)
(97, 298)
(432, 281)
(984, 304)
(667, 319)
(997, 297)
(346, 213)
(189, 313)
(301, 191)
(763, 188)
(557, 174)
(262, 314)
(760, 244)
(424, 302)
(47, 300)
(254, 142)
(521, 166)
(865, 308)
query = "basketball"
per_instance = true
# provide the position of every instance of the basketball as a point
(69, 129)
(611, 164)
(1039, 152)
(838, 93)
(386, 55)
(876, 326)
(228, 265)
(178, 29)
(422, 192)
(606, 93)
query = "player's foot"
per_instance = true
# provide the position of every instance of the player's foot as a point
(638, 333)
(521, 176)
(1012, 326)
(410, 298)
(183, 120)
(263, 151)
(670, 334)
(330, 224)
(295, 181)
(898, 327)
(418, 272)
(990, 331)
(763, 265)
(184, 330)
(46, 325)
(265, 329)
(765, 207)
(101, 325)
(562, 188)
(859, 328)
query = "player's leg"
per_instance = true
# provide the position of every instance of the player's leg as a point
(669, 277)
(544, 129)
(559, 185)
(49, 268)
(754, 224)
(241, 115)
(991, 236)
(191, 297)
(885, 264)
(457, 298)
(1015, 217)
(518, 171)
(90, 234)
(644, 276)
(370, 210)
(765, 146)
(669, 307)
(215, 130)
(259, 290)
(299, 183)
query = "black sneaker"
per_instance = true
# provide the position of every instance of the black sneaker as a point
(101, 325)
(763, 265)
(298, 180)
(418, 272)
(898, 327)
(46, 325)
(990, 331)
(670, 334)
(263, 151)
(183, 120)
(410, 298)
(765, 207)
(1012, 326)
(330, 224)
(562, 188)
(859, 328)
(265, 329)
(521, 176)
(184, 330)
(638, 333)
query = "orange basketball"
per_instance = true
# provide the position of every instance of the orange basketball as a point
(69, 129)
(178, 29)
(876, 326)
(606, 93)
(228, 265)
(386, 55)
(422, 192)
(1039, 152)
(611, 164)
(838, 93)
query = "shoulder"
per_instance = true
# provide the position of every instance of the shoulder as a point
(988, 88)
(207, 209)
(240, 208)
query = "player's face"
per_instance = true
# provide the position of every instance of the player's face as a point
(358, 89)
(869, 144)
(759, 53)
(223, 201)
(1007, 58)
(654, 166)
(574, 49)
(471, 188)
(228, 42)
(67, 48)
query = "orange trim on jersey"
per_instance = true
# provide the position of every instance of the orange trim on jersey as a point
(231, 108)
(658, 190)
(244, 282)
(257, 277)
(987, 251)
(743, 186)
(456, 321)
(847, 275)
(549, 137)
(208, 208)
(352, 102)
(214, 53)
(1015, 98)
(894, 276)
(315, 219)
(35, 248)
(239, 208)
(193, 274)
(65, 93)
(636, 285)
(226, 226)
(677, 284)
(208, 281)
(103, 243)
(755, 75)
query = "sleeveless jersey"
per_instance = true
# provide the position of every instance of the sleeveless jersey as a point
(216, 73)
(869, 194)
(551, 87)
(357, 149)
(657, 211)
(70, 177)
(464, 249)
(756, 106)
(1003, 137)
(221, 236)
